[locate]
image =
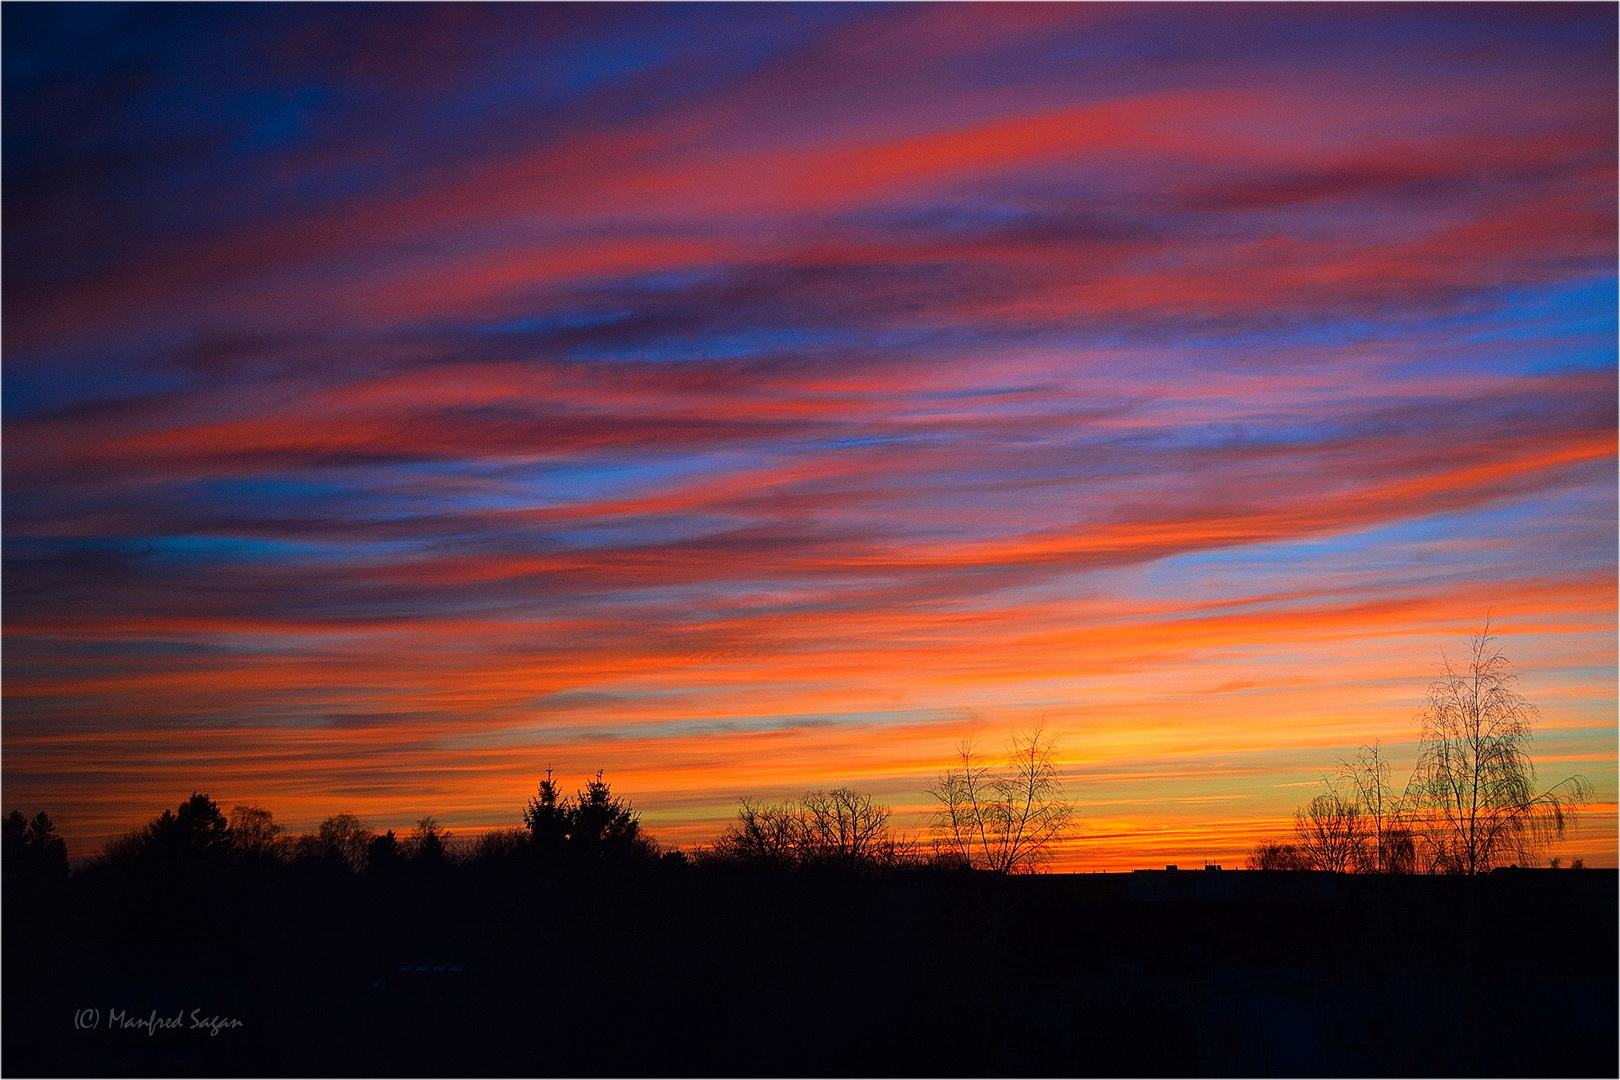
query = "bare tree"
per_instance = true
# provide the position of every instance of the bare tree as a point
(1389, 848)
(1475, 783)
(343, 837)
(1330, 834)
(840, 828)
(843, 827)
(1277, 856)
(501, 844)
(254, 831)
(764, 834)
(1006, 821)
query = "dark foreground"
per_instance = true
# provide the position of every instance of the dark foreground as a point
(669, 971)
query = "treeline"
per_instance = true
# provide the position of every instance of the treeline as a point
(592, 826)
(1000, 819)
(840, 829)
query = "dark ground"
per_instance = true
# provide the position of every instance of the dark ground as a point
(672, 971)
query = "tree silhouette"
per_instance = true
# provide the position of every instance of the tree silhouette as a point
(1389, 846)
(1004, 821)
(501, 845)
(844, 827)
(603, 826)
(840, 828)
(548, 819)
(1329, 833)
(32, 847)
(193, 835)
(196, 831)
(428, 843)
(764, 834)
(1475, 785)
(340, 839)
(592, 826)
(383, 855)
(1277, 856)
(254, 832)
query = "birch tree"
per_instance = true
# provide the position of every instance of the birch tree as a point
(1481, 806)
(1389, 847)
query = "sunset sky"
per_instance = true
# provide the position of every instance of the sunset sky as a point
(400, 400)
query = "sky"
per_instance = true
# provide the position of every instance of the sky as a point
(743, 400)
